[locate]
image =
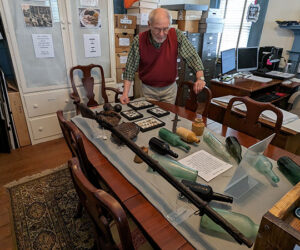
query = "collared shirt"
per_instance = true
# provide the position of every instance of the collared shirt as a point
(185, 50)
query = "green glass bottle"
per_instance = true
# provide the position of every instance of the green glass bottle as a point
(234, 148)
(175, 168)
(289, 168)
(172, 138)
(216, 145)
(264, 166)
(242, 222)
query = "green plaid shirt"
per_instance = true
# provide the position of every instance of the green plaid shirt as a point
(185, 50)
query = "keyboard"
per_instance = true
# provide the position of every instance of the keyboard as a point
(259, 78)
(266, 98)
(273, 74)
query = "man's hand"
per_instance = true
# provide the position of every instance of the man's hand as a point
(199, 85)
(124, 99)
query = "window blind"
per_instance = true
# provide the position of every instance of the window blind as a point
(232, 24)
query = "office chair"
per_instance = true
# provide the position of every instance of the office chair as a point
(191, 101)
(250, 124)
(109, 218)
(88, 84)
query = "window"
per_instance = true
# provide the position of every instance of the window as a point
(234, 15)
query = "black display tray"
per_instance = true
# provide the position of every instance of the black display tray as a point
(158, 112)
(140, 105)
(131, 114)
(149, 123)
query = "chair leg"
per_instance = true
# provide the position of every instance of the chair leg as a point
(78, 213)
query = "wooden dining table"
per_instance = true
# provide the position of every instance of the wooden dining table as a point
(159, 232)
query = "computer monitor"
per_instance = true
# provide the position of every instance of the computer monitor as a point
(247, 59)
(227, 61)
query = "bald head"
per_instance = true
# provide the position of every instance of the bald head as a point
(159, 14)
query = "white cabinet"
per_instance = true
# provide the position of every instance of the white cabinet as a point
(44, 82)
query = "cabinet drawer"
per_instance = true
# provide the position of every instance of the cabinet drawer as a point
(47, 126)
(48, 102)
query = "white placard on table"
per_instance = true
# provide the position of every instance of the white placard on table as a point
(92, 46)
(91, 3)
(43, 45)
(207, 165)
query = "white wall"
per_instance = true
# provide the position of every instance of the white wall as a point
(164, 2)
(288, 10)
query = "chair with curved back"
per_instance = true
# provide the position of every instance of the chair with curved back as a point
(88, 84)
(74, 141)
(66, 132)
(107, 214)
(250, 123)
(191, 102)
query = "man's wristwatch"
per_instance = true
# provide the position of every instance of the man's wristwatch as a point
(202, 78)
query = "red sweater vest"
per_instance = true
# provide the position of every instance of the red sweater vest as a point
(158, 67)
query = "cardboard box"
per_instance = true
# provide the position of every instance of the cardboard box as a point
(139, 11)
(126, 31)
(123, 21)
(121, 59)
(19, 118)
(189, 14)
(187, 25)
(119, 74)
(142, 18)
(174, 14)
(212, 13)
(141, 28)
(144, 4)
(123, 40)
(122, 49)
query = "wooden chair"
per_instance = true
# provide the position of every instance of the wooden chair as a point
(192, 102)
(105, 212)
(66, 130)
(250, 124)
(74, 141)
(88, 84)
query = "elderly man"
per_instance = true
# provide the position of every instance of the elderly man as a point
(154, 55)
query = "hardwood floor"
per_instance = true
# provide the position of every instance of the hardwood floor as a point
(23, 162)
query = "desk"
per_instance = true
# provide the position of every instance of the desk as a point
(241, 87)
(158, 230)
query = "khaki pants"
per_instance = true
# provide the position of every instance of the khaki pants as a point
(163, 94)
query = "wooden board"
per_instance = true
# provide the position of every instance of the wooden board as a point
(19, 118)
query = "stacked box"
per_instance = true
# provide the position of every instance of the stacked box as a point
(141, 9)
(211, 22)
(125, 26)
(189, 14)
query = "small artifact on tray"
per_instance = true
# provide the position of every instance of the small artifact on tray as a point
(111, 116)
(131, 114)
(129, 129)
(107, 106)
(118, 108)
(149, 123)
(137, 159)
(158, 112)
(140, 105)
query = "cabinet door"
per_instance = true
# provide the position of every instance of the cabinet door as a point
(30, 21)
(79, 29)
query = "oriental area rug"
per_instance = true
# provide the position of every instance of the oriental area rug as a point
(43, 208)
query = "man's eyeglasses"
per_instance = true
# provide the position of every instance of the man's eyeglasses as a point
(158, 30)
